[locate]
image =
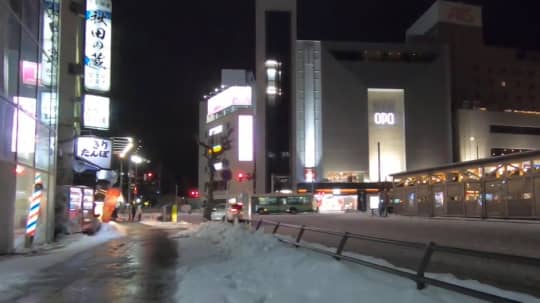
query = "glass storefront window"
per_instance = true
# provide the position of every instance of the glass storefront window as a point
(7, 114)
(29, 67)
(26, 137)
(9, 52)
(536, 164)
(42, 147)
(25, 184)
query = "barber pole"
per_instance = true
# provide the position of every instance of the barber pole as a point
(33, 213)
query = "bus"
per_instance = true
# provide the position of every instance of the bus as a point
(282, 203)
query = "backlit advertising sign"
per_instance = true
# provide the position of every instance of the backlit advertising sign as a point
(29, 73)
(245, 138)
(95, 151)
(97, 58)
(96, 112)
(234, 95)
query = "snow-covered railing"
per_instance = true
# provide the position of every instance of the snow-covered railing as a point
(428, 250)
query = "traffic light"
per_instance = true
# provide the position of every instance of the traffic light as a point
(193, 193)
(242, 176)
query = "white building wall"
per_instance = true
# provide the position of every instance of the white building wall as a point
(308, 107)
(474, 132)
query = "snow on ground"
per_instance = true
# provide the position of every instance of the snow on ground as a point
(17, 270)
(166, 225)
(224, 263)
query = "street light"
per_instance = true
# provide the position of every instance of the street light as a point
(129, 146)
(136, 159)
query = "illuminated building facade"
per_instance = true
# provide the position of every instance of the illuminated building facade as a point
(29, 44)
(360, 112)
(226, 118)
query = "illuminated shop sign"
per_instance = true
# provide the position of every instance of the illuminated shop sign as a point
(96, 112)
(93, 150)
(460, 13)
(215, 130)
(29, 73)
(97, 59)
(384, 118)
(234, 95)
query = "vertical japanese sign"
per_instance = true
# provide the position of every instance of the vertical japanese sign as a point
(50, 42)
(97, 58)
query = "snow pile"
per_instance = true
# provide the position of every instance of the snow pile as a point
(236, 265)
(17, 270)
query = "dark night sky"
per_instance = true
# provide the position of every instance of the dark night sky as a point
(167, 54)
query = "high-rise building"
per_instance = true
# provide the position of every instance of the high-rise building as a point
(351, 112)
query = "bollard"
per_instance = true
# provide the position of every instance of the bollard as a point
(423, 265)
(300, 234)
(275, 229)
(258, 225)
(341, 245)
(174, 213)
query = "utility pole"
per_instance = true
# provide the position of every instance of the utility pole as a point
(379, 159)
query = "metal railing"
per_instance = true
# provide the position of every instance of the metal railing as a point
(419, 275)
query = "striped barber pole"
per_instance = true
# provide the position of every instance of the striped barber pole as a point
(35, 203)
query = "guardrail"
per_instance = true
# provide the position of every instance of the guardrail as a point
(419, 276)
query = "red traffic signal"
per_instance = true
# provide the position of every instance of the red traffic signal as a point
(194, 193)
(242, 176)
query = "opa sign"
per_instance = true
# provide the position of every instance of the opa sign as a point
(385, 119)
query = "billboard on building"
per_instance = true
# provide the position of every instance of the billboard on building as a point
(97, 58)
(245, 138)
(96, 112)
(234, 95)
(386, 131)
(95, 151)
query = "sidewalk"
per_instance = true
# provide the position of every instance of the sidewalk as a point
(17, 269)
(244, 266)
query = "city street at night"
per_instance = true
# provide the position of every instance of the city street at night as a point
(137, 267)
(269, 151)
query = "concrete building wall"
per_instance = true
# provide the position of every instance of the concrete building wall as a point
(69, 90)
(474, 132)
(261, 7)
(344, 106)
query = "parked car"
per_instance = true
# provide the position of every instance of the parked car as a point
(219, 212)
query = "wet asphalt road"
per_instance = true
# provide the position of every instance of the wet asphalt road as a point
(137, 268)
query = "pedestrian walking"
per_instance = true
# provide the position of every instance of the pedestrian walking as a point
(138, 212)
